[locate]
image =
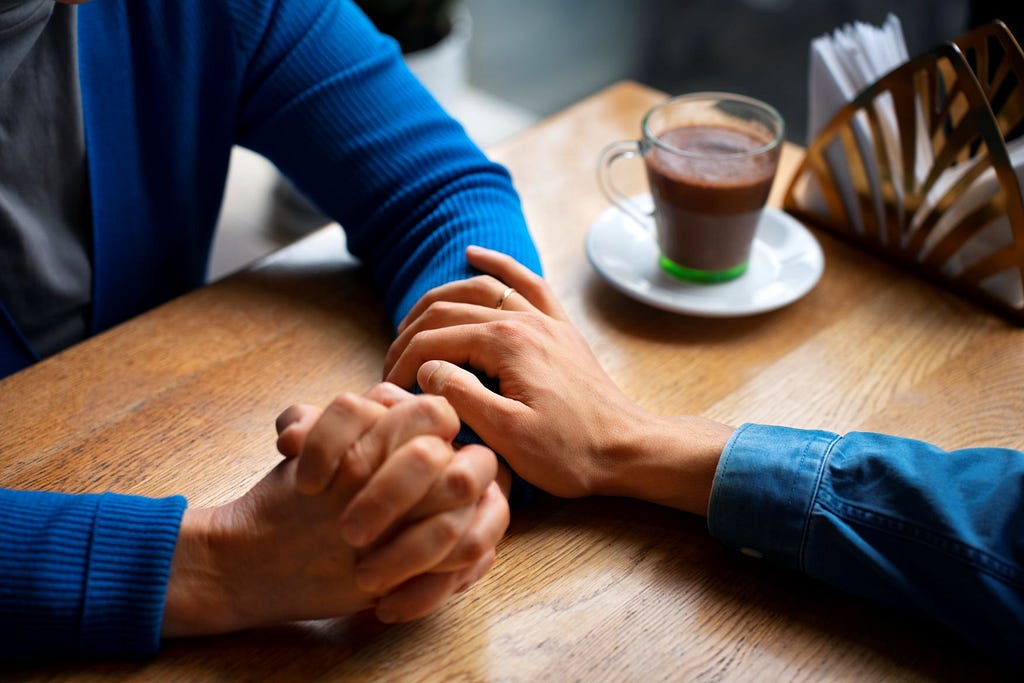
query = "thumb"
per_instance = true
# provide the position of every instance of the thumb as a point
(483, 410)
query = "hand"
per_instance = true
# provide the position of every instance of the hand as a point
(560, 421)
(276, 554)
(395, 488)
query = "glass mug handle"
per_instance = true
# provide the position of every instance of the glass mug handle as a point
(609, 155)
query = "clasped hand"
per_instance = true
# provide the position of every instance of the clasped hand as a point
(559, 420)
(372, 506)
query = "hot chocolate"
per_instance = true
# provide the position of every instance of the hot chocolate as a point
(710, 160)
(708, 192)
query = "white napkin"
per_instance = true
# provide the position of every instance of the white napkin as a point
(842, 64)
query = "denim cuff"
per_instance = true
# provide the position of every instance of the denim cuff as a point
(764, 487)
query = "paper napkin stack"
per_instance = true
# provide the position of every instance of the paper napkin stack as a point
(842, 64)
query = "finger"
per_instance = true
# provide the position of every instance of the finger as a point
(470, 472)
(526, 282)
(473, 344)
(417, 597)
(296, 412)
(401, 481)
(293, 426)
(482, 290)
(413, 551)
(490, 521)
(375, 505)
(421, 595)
(476, 572)
(328, 443)
(412, 417)
(387, 394)
(439, 315)
(490, 415)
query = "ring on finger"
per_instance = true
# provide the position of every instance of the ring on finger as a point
(509, 291)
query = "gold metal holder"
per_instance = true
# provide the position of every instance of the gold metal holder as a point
(917, 170)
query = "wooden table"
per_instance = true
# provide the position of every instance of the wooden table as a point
(182, 400)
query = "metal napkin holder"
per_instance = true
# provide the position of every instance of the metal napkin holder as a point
(916, 170)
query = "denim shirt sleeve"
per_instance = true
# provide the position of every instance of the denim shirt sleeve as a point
(900, 521)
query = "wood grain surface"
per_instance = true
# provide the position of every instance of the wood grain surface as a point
(183, 399)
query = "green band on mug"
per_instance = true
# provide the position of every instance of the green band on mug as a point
(705, 276)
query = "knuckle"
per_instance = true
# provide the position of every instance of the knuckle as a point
(426, 452)
(354, 464)
(439, 310)
(376, 503)
(486, 284)
(483, 460)
(426, 407)
(514, 333)
(461, 485)
(446, 530)
(433, 410)
(344, 404)
(505, 327)
(419, 342)
(473, 546)
(441, 409)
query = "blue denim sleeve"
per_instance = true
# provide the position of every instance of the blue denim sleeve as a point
(900, 521)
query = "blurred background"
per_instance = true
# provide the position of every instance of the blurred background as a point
(542, 55)
(507, 64)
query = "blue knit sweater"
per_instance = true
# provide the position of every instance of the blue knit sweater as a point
(168, 86)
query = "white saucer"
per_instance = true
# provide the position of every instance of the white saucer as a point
(785, 263)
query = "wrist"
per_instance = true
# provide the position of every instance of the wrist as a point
(669, 461)
(197, 600)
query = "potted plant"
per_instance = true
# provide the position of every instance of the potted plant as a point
(415, 24)
(434, 37)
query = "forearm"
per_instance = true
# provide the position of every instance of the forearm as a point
(338, 111)
(670, 461)
(484, 211)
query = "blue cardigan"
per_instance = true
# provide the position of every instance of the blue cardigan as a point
(168, 86)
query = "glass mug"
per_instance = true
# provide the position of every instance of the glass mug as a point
(710, 160)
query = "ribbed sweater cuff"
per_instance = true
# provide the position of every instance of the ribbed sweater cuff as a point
(84, 573)
(129, 564)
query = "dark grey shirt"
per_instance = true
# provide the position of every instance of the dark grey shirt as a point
(45, 227)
